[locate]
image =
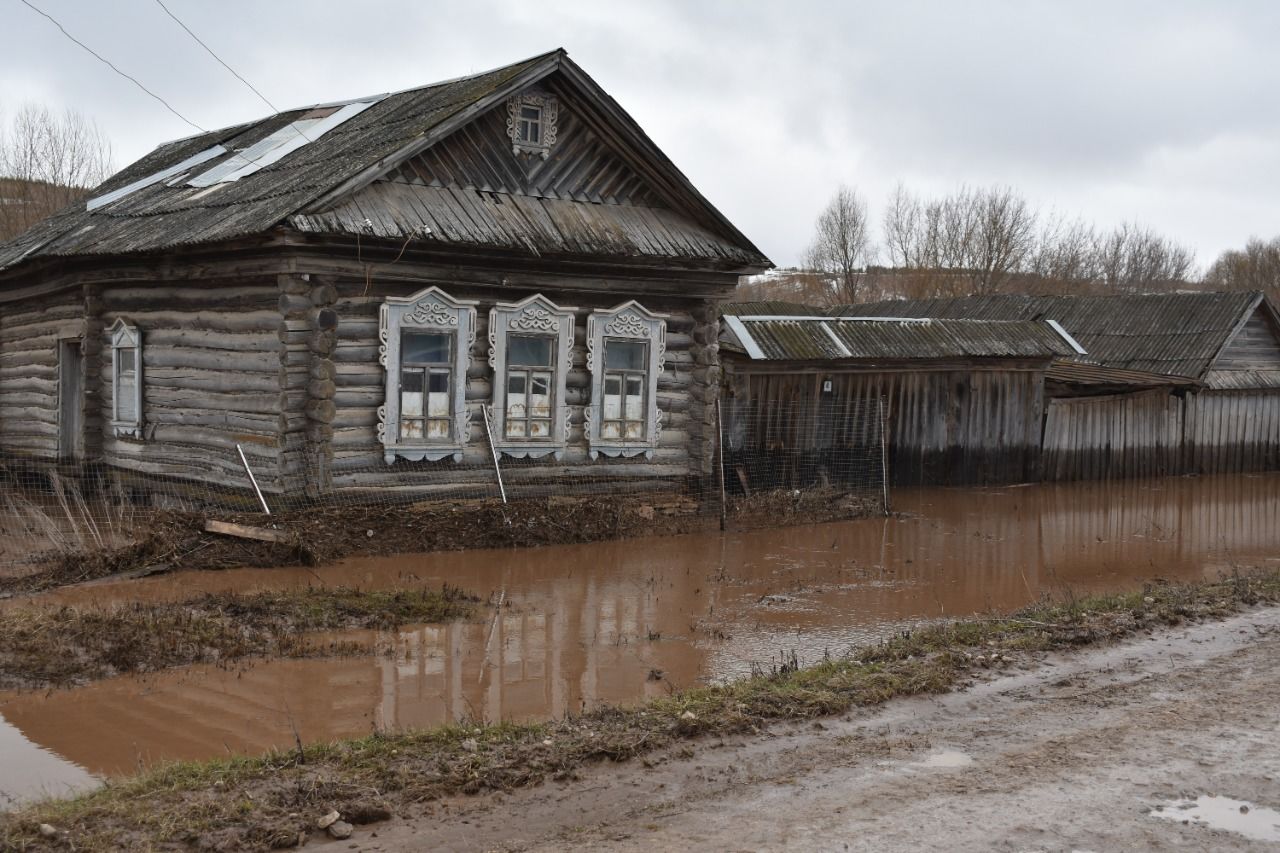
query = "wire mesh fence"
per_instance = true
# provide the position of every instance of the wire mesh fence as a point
(753, 465)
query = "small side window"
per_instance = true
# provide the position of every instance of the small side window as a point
(126, 379)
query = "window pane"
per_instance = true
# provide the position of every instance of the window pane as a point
(424, 348)
(612, 397)
(610, 429)
(515, 428)
(411, 380)
(125, 357)
(124, 397)
(635, 405)
(527, 351)
(438, 429)
(539, 429)
(411, 429)
(439, 382)
(624, 355)
(534, 113)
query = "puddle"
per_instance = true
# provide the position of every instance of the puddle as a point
(1243, 818)
(946, 758)
(621, 621)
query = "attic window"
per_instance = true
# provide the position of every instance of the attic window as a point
(531, 124)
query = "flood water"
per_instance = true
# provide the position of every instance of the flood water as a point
(621, 621)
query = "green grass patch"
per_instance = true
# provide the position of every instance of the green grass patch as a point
(274, 800)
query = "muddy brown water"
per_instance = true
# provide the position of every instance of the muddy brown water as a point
(621, 621)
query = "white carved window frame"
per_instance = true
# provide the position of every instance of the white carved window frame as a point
(430, 310)
(548, 107)
(125, 337)
(533, 317)
(629, 321)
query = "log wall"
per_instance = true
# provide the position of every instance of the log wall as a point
(686, 393)
(29, 336)
(215, 374)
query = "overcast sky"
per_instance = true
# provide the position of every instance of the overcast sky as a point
(1163, 113)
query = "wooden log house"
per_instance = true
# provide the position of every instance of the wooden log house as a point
(343, 290)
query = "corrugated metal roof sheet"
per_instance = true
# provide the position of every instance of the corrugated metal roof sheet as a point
(1081, 373)
(773, 307)
(774, 337)
(1175, 334)
(169, 213)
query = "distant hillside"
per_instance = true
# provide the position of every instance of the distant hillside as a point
(24, 203)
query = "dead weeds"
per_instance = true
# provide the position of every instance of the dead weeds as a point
(255, 803)
(54, 647)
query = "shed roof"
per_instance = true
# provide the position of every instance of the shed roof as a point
(1173, 334)
(817, 338)
(336, 150)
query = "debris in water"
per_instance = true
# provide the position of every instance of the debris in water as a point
(1251, 821)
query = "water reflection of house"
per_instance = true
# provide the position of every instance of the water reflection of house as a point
(1159, 384)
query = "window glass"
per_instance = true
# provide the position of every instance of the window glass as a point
(125, 359)
(424, 348)
(125, 389)
(530, 351)
(530, 124)
(624, 355)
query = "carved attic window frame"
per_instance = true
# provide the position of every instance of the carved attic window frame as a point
(534, 317)
(126, 347)
(628, 323)
(431, 311)
(548, 110)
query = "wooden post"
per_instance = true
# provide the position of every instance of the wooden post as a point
(724, 509)
(488, 430)
(253, 480)
(884, 455)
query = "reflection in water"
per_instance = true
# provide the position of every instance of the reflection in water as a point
(617, 622)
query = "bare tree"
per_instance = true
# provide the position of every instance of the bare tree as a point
(1255, 267)
(1134, 259)
(970, 241)
(47, 161)
(841, 243)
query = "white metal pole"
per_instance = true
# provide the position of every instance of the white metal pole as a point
(253, 480)
(488, 430)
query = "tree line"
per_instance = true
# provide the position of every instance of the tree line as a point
(988, 240)
(48, 160)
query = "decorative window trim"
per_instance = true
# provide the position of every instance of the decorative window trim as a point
(628, 321)
(550, 107)
(126, 336)
(536, 316)
(432, 310)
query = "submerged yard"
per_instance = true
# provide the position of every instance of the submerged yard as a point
(557, 632)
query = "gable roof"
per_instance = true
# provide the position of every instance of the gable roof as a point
(1172, 334)
(793, 336)
(307, 187)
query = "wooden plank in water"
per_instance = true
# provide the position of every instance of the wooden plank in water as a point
(244, 531)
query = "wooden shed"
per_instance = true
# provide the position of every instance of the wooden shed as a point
(1167, 383)
(343, 290)
(960, 400)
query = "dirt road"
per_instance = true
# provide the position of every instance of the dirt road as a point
(1070, 755)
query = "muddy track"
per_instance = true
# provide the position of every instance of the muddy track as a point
(1068, 755)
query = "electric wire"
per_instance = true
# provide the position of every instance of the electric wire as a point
(110, 64)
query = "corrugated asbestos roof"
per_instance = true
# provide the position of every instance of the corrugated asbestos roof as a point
(162, 216)
(1173, 334)
(810, 338)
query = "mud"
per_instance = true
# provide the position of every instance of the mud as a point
(1073, 755)
(620, 621)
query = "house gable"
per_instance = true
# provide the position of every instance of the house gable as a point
(579, 165)
(1251, 357)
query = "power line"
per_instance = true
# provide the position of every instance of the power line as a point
(110, 65)
(237, 75)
